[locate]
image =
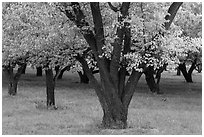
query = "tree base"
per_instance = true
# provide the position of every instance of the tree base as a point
(12, 94)
(110, 123)
(52, 107)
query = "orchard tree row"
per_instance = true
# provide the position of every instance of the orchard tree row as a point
(112, 39)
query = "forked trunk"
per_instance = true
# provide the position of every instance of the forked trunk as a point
(50, 87)
(187, 75)
(149, 77)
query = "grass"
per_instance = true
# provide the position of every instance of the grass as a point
(178, 111)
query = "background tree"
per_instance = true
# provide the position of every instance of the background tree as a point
(13, 45)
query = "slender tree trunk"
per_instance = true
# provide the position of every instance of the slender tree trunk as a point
(50, 87)
(39, 71)
(57, 69)
(178, 73)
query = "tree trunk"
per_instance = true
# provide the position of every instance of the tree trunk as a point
(24, 68)
(151, 80)
(149, 77)
(12, 89)
(199, 68)
(83, 77)
(13, 79)
(39, 71)
(187, 75)
(50, 87)
(114, 118)
(57, 69)
(12, 86)
(178, 73)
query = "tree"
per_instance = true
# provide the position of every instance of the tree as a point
(192, 53)
(150, 72)
(38, 34)
(14, 53)
(186, 51)
(189, 22)
(111, 41)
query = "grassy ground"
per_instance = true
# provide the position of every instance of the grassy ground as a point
(178, 111)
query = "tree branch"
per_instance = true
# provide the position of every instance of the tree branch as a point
(93, 82)
(79, 20)
(130, 87)
(98, 26)
(193, 66)
(115, 9)
(172, 11)
(122, 36)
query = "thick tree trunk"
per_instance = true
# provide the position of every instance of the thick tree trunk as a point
(50, 87)
(39, 71)
(114, 118)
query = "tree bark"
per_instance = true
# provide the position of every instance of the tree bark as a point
(39, 71)
(50, 87)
